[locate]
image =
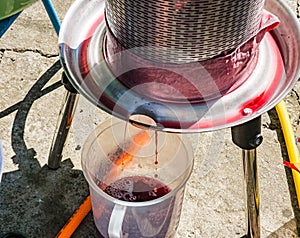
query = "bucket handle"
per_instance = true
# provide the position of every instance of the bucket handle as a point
(116, 221)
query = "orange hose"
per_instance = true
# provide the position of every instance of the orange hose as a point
(138, 141)
(76, 219)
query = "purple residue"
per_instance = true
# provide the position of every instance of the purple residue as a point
(193, 82)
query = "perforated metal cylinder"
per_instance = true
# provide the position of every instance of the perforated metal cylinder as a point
(182, 31)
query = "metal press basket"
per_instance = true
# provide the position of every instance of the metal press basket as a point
(182, 31)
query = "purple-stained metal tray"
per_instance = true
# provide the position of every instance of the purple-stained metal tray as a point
(82, 42)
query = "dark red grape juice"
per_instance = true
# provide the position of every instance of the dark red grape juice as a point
(141, 221)
(137, 189)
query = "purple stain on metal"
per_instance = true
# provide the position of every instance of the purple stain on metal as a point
(180, 4)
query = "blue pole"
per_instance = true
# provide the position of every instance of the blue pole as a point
(52, 14)
(5, 23)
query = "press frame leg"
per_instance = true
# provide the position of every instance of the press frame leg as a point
(63, 124)
(248, 137)
(252, 193)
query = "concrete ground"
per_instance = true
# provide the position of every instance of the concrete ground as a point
(37, 201)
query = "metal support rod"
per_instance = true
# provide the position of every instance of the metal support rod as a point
(252, 193)
(68, 106)
(62, 128)
(64, 122)
(247, 136)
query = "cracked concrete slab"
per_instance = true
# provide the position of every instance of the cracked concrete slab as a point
(37, 201)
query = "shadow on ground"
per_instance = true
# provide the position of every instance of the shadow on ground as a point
(37, 201)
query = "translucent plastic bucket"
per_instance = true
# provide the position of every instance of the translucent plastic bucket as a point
(136, 179)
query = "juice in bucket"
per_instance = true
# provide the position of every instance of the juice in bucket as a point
(136, 178)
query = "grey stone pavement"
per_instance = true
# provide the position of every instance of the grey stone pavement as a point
(38, 201)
